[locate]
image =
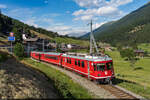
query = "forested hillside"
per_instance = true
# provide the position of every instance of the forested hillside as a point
(98, 30)
(131, 29)
(8, 24)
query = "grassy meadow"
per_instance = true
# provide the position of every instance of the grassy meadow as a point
(72, 41)
(135, 79)
(145, 47)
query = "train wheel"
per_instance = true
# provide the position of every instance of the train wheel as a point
(96, 81)
(110, 82)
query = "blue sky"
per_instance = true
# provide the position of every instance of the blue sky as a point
(68, 16)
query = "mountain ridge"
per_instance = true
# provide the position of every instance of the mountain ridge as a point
(119, 31)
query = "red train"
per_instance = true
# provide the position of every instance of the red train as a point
(96, 68)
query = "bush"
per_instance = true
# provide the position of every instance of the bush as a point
(3, 56)
(19, 50)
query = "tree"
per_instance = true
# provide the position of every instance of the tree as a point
(130, 55)
(19, 50)
(127, 53)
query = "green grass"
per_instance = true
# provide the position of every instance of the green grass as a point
(141, 76)
(145, 46)
(72, 41)
(66, 87)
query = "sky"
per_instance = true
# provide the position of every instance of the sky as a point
(68, 16)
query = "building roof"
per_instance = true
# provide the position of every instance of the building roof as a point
(31, 39)
(139, 51)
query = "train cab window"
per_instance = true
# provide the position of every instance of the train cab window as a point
(75, 62)
(100, 67)
(109, 65)
(94, 67)
(82, 64)
(78, 62)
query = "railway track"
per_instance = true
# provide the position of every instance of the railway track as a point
(120, 94)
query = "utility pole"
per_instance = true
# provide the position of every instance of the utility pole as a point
(43, 45)
(11, 47)
(92, 40)
(28, 48)
(0, 12)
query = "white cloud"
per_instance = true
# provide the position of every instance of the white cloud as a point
(96, 25)
(119, 2)
(89, 3)
(31, 22)
(61, 29)
(101, 3)
(96, 8)
(68, 30)
(3, 6)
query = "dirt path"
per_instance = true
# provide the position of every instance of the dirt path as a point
(18, 82)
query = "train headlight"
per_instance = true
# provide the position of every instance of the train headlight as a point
(106, 72)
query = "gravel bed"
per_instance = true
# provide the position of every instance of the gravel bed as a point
(94, 89)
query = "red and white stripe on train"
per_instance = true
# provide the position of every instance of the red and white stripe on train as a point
(96, 68)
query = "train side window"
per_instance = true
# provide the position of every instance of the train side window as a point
(83, 64)
(94, 67)
(70, 61)
(75, 62)
(109, 65)
(51, 57)
(67, 60)
(78, 62)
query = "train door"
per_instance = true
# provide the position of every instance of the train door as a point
(39, 57)
(88, 69)
(92, 69)
(61, 61)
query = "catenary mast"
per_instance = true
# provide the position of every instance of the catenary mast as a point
(92, 41)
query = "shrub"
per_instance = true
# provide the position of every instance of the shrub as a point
(19, 50)
(3, 56)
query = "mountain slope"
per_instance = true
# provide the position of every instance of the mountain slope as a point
(98, 30)
(131, 29)
(8, 24)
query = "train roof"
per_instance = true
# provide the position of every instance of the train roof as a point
(90, 58)
(50, 53)
(80, 56)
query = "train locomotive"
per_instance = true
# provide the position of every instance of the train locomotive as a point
(97, 68)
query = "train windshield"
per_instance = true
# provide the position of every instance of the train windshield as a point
(101, 67)
(109, 65)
